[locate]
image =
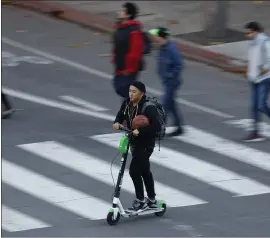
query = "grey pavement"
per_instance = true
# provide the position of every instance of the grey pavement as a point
(205, 91)
(184, 17)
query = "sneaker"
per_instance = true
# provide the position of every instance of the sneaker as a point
(138, 205)
(177, 132)
(254, 137)
(152, 203)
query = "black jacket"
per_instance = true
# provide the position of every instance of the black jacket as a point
(147, 135)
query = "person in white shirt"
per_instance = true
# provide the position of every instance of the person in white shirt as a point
(258, 74)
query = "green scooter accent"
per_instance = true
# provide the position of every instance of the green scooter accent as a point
(160, 203)
(123, 144)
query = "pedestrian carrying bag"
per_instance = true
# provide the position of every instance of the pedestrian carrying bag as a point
(147, 43)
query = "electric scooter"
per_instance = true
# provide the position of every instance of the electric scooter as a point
(117, 210)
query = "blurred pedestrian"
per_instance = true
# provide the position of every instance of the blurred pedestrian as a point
(128, 49)
(170, 65)
(258, 74)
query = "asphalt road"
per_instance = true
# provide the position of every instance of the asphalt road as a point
(56, 173)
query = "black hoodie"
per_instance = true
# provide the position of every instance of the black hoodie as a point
(147, 135)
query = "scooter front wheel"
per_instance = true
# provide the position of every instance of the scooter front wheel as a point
(110, 219)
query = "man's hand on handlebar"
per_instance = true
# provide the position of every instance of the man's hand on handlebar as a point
(116, 126)
(135, 132)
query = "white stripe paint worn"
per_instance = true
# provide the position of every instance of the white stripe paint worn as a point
(100, 170)
(53, 192)
(13, 221)
(56, 104)
(83, 103)
(226, 147)
(211, 174)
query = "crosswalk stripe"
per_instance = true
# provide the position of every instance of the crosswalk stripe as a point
(13, 221)
(226, 147)
(53, 192)
(83, 103)
(191, 166)
(100, 170)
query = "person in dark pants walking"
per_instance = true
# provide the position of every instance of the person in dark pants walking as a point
(128, 48)
(142, 144)
(8, 108)
(258, 75)
(169, 64)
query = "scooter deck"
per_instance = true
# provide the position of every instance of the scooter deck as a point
(129, 213)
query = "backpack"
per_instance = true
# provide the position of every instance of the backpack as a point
(153, 101)
(147, 43)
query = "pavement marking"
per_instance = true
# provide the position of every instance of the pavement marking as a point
(56, 104)
(53, 192)
(11, 60)
(108, 76)
(13, 221)
(194, 105)
(84, 103)
(247, 124)
(226, 147)
(211, 174)
(98, 169)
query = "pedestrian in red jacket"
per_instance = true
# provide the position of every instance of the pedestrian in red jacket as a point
(128, 49)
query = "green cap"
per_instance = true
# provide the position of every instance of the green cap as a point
(154, 32)
(160, 31)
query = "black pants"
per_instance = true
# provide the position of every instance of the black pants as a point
(140, 172)
(122, 83)
(5, 101)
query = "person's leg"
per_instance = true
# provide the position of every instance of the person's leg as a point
(8, 108)
(135, 171)
(122, 83)
(148, 177)
(255, 114)
(264, 90)
(170, 106)
(5, 101)
(166, 102)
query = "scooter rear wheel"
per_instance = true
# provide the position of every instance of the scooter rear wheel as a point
(159, 214)
(110, 219)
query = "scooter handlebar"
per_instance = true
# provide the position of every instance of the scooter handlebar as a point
(123, 128)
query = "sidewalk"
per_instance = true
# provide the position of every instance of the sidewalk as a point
(184, 18)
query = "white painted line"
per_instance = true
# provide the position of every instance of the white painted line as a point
(83, 103)
(56, 104)
(107, 76)
(56, 58)
(100, 170)
(51, 191)
(247, 125)
(198, 169)
(13, 221)
(226, 147)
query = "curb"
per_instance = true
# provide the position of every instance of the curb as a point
(189, 50)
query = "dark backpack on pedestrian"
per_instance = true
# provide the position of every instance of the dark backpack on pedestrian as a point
(153, 101)
(147, 43)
